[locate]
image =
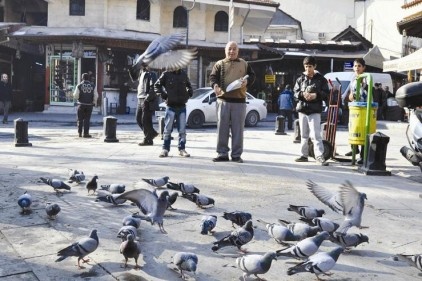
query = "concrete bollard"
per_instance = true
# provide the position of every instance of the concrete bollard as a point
(280, 125)
(110, 125)
(377, 152)
(296, 131)
(21, 132)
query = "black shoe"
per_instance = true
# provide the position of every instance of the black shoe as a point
(351, 152)
(145, 143)
(237, 159)
(221, 159)
(87, 136)
(360, 161)
(80, 135)
(301, 159)
(5, 122)
(155, 135)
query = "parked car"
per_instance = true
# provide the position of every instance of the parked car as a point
(201, 109)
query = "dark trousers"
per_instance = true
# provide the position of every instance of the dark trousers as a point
(84, 118)
(288, 113)
(144, 114)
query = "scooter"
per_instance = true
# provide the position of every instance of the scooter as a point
(410, 96)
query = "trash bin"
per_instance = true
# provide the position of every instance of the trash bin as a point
(357, 121)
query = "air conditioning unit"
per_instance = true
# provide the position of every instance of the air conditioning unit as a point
(321, 35)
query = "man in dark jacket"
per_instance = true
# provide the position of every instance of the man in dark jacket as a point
(87, 96)
(310, 90)
(175, 88)
(5, 96)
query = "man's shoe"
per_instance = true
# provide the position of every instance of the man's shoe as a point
(155, 135)
(301, 159)
(87, 136)
(183, 153)
(296, 141)
(321, 161)
(237, 159)
(145, 143)
(351, 152)
(220, 159)
(164, 153)
(360, 161)
(80, 135)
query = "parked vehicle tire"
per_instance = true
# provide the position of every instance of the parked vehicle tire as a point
(252, 119)
(196, 119)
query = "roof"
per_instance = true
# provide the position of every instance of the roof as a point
(412, 24)
(352, 35)
(258, 2)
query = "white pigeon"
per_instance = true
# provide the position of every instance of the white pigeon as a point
(255, 264)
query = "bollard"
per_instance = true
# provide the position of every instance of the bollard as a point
(296, 131)
(21, 132)
(377, 151)
(110, 125)
(280, 125)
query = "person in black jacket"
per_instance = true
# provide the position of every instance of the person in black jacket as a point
(310, 90)
(175, 88)
(86, 96)
(5, 96)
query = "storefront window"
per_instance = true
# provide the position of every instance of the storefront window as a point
(63, 79)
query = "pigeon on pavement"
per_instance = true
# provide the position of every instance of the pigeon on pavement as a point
(125, 230)
(56, 184)
(171, 200)
(80, 249)
(255, 264)
(25, 201)
(415, 260)
(320, 263)
(129, 220)
(185, 262)
(280, 233)
(200, 200)
(237, 217)
(76, 176)
(185, 188)
(160, 182)
(106, 196)
(150, 204)
(52, 210)
(208, 223)
(131, 249)
(237, 237)
(92, 185)
(324, 224)
(306, 211)
(114, 188)
(348, 240)
(305, 248)
(299, 229)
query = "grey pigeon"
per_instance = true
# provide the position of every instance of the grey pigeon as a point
(237, 237)
(348, 240)
(56, 184)
(200, 200)
(125, 230)
(92, 185)
(306, 211)
(415, 260)
(160, 182)
(208, 223)
(324, 224)
(52, 210)
(280, 233)
(129, 220)
(25, 202)
(150, 204)
(76, 176)
(80, 249)
(185, 188)
(171, 200)
(331, 199)
(185, 261)
(114, 188)
(237, 217)
(299, 229)
(305, 248)
(320, 263)
(130, 249)
(255, 264)
(106, 196)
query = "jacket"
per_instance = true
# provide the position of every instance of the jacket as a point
(286, 100)
(146, 85)
(174, 87)
(86, 94)
(5, 91)
(317, 84)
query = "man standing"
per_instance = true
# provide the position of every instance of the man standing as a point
(5, 96)
(231, 104)
(86, 95)
(286, 105)
(310, 90)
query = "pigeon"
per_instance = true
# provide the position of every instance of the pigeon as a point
(305, 248)
(348, 240)
(200, 200)
(129, 220)
(324, 224)
(237, 217)
(185, 188)
(150, 204)
(207, 224)
(130, 249)
(56, 184)
(237, 237)
(76, 176)
(320, 263)
(160, 182)
(415, 260)
(280, 233)
(306, 211)
(185, 262)
(299, 229)
(25, 201)
(106, 196)
(80, 249)
(125, 230)
(171, 200)
(52, 210)
(114, 188)
(92, 185)
(255, 264)
(331, 199)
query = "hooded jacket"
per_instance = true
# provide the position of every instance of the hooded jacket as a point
(317, 84)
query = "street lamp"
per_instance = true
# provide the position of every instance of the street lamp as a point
(188, 9)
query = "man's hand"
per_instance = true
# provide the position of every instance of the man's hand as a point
(244, 83)
(309, 96)
(217, 90)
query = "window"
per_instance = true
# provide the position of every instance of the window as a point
(180, 17)
(221, 21)
(77, 7)
(142, 10)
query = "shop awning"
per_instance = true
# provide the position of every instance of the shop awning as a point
(409, 62)
(374, 57)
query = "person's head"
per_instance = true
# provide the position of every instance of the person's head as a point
(359, 66)
(386, 88)
(232, 50)
(309, 63)
(85, 76)
(288, 87)
(4, 77)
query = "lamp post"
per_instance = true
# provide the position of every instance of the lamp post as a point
(188, 9)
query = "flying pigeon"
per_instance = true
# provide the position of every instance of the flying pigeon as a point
(130, 249)
(305, 248)
(299, 229)
(280, 233)
(125, 230)
(348, 240)
(200, 200)
(208, 223)
(92, 185)
(185, 188)
(185, 262)
(306, 211)
(320, 263)
(171, 200)
(56, 184)
(52, 210)
(331, 199)
(237, 237)
(150, 204)
(80, 249)
(324, 224)
(114, 188)
(255, 264)
(129, 220)
(106, 196)
(415, 260)
(76, 176)
(237, 217)
(160, 182)
(25, 201)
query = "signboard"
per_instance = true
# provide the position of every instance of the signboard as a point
(348, 65)
(269, 79)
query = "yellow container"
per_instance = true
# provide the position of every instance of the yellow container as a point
(357, 121)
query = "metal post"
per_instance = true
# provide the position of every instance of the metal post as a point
(188, 9)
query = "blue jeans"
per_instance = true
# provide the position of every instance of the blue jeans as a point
(173, 114)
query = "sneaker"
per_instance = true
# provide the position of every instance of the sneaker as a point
(237, 159)
(301, 159)
(164, 153)
(80, 135)
(321, 161)
(183, 153)
(296, 141)
(220, 158)
(145, 143)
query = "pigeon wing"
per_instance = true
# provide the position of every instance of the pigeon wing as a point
(349, 197)
(174, 59)
(327, 197)
(143, 198)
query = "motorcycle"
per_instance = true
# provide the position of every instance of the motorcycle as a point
(410, 96)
